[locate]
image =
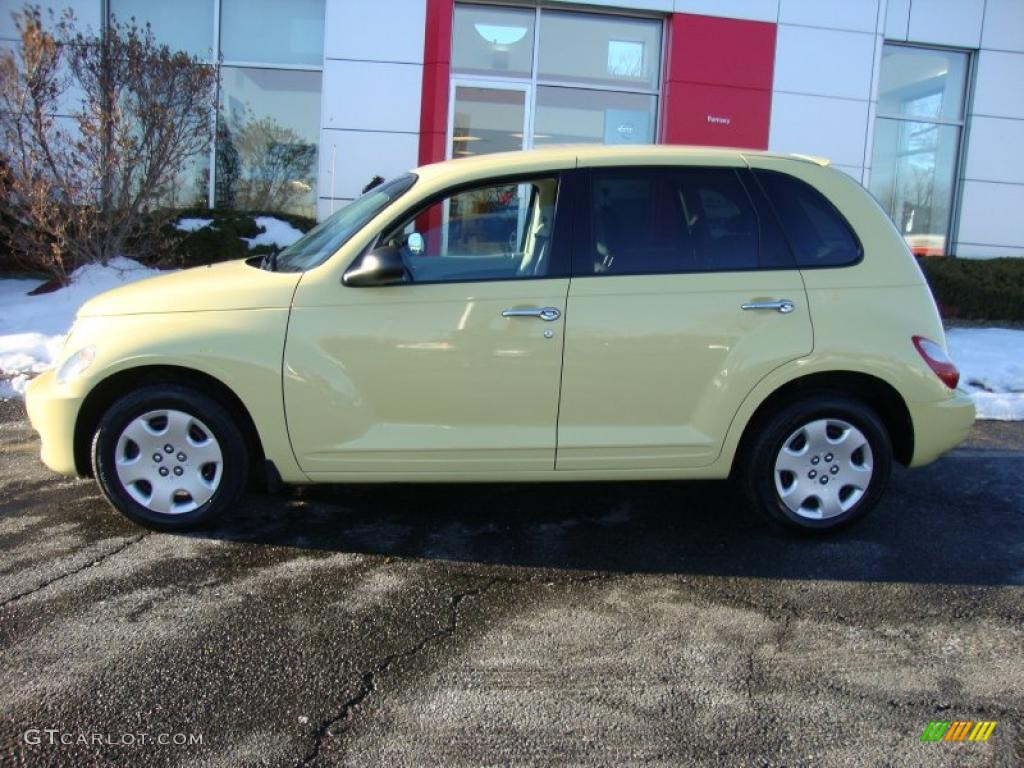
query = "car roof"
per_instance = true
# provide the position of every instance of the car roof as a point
(585, 155)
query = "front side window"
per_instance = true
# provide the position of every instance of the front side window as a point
(817, 232)
(317, 245)
(922, 93)
(662, 220)
(500, 231)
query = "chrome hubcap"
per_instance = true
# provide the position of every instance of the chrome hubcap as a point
(169, 461)
(823, 469)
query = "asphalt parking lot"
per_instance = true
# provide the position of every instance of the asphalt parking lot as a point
(611, 624)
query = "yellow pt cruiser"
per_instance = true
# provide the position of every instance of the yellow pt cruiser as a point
(574, 313)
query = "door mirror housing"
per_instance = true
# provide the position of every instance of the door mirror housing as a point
(381, 266)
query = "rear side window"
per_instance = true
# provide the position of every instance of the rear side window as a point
(670, 220)
(817, 232)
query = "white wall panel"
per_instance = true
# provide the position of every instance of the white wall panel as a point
(972, 251)
(358, 156)
(1000, 84)
(372, 96)
(824, 62)
(382, 30)
(860, 16)
(814, 125)
(897, 19)
(753, 10)
(946, 22)
(661, 6)
(990, 214)
(1004, 25)
(996, 150)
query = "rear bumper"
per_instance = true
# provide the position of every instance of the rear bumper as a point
(940, 426)
(53, 413)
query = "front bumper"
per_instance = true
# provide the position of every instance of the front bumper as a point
(940, 426)
(53, 412)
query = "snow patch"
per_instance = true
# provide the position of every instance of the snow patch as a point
(191, 225)
(32, 328)
(276, 232)
(991, 363)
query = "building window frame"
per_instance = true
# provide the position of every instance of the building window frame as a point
(962, 126)
(217, 60)
(531, 83)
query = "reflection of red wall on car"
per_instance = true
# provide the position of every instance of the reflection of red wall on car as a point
(718, 81)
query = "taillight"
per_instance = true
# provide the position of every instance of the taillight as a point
(937, 360)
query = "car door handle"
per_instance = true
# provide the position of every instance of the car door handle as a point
(544, 313)
(785, 306)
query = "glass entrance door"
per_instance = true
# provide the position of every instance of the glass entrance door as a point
(487, 117)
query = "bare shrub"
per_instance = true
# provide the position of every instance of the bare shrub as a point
(88, 187)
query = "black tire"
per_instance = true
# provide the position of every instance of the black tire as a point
(234, 471)
(758, 468)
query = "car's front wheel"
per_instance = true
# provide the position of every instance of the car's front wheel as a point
(819, 463)
(169, 457)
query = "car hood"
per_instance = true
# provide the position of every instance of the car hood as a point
(230, 285)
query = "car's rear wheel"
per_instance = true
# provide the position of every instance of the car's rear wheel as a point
(818, 464)
(169, 457)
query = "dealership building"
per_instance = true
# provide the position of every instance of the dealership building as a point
(922, 101)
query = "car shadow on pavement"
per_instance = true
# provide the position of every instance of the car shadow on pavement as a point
(936, 525)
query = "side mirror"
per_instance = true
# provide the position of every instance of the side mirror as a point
(381, 266)
(416, 244)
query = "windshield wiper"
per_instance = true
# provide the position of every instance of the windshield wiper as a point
(269, 262)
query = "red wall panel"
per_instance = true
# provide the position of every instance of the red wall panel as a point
(437, 55)
(718, 81)
(717, 116)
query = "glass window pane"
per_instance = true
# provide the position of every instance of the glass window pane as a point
(184, 25)
(497, 232)
(267, 140)
(912, 174)
(491, 40)
(272, 32)
(820, 236)
(487, 120)
(599, 50)
(654, 221)
(922, 83)
(574, 115)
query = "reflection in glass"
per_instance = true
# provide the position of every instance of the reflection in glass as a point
(599, 50)
(491, 40)
(271, 31)
(922, 83)
(913, 170)
(267, 140)
(487, 120)
(575, 115)
(184, 25)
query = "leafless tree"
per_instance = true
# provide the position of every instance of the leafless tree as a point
(87, 186)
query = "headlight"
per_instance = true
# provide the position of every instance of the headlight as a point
(75, 365)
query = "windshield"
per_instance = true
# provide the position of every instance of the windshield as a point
(313, 248)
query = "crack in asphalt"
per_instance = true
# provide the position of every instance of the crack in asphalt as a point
(93, 562)
(369, 679)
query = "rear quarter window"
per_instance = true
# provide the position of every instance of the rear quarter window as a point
(817, 232)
